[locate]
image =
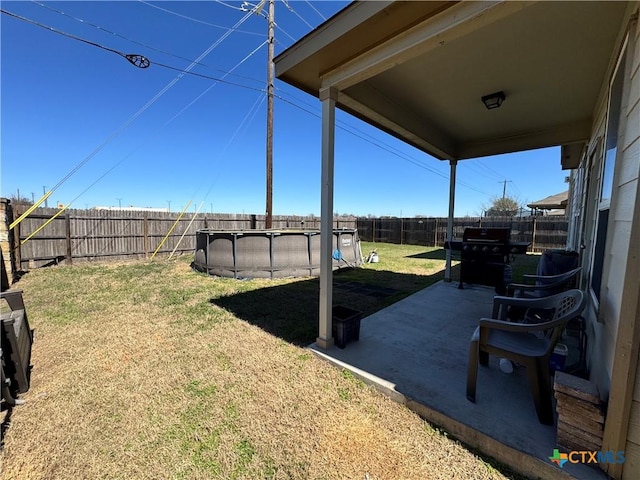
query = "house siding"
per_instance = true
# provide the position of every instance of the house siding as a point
(603, 320)
(629, 176)
(603, 317)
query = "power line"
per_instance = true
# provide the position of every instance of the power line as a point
(257, 9)
(230, 6)
(140, 60)
(208, 77)
(290, 8)
(186, 17)
(489, 169)
(167, 123)
(253, 110)
(221, 80)
(183, 72)
(344, 126)
(105, 30)
(110, 32)
(315, 9)
(142, 109)
(386, 148)
(476, 170)
(283, 31)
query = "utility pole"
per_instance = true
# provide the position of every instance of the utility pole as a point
(119, 203)
(270, 75)
(504, 187)
(46, 200)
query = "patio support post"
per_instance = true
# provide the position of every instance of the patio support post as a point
(452, 196)
(328, 96)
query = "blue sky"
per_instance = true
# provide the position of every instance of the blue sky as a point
(67, 104)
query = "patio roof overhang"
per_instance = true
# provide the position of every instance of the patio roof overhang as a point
(418, 70)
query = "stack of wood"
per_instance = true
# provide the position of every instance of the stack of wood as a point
(580, 413)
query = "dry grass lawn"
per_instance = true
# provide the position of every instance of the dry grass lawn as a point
(138, 374)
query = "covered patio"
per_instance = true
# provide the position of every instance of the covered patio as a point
(462, 80)
(416, 352)
(424, 72)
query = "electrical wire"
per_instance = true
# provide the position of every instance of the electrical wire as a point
(105, 30)
(186, 17)
(345, 127)
(246, 121)
(85, 22)
(315, 9)
(254, 108)
(278, 27)
(165, 125)
(230, 6)
(477, 170)
(243, 9)
(137, 60)
(489, 169)
(290, 8)
(182, 71)
(388, 149)
(142, 109)
(221, 81)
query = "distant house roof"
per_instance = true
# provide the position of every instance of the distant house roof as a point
(559, 200)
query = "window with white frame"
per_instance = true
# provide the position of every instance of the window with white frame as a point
(607, 173)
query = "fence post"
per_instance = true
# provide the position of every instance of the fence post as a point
(67, 229)
(7, 240)
(373, 231)
(435, 234)
(533, 239)
(145, 234)
(17, 245)
(401, 230)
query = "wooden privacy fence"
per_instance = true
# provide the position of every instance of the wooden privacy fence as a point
(542, 232)
(86, 235)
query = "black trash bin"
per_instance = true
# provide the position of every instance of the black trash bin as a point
(346, 325)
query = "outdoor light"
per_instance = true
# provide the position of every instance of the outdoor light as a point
(493, 100)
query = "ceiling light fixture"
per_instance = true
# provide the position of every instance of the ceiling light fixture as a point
(493, 100)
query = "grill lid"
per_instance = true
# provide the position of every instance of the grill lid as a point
(486, 235)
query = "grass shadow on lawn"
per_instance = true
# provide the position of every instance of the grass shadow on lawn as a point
(290, 311)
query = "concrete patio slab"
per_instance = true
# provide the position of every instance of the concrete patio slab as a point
(416, 351)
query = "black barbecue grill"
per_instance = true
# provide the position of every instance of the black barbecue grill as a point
(484, 255)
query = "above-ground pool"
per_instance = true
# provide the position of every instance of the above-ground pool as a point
(271, 253)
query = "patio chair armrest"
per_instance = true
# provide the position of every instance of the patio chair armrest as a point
(530, 277)
(501, 302)
(13, 298)
(519, 287)
(492, 323)
(552, 279)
